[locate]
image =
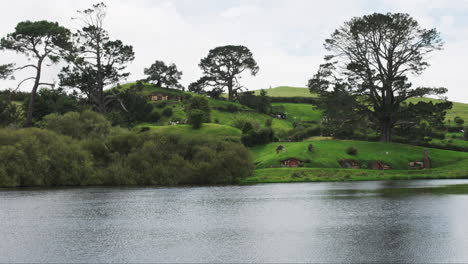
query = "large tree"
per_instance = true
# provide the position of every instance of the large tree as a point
(222, 69)
(96, 60)
(163, 75)
(40, 41)
(373, 56)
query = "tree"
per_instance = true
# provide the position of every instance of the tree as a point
(196, 118)
(96, 61)
(132, 106)
(373, 56)
(222, 70)
(459, 121)
(199, 103)
(163, 75)
(8, 111)
(50, 101)
(42, 41)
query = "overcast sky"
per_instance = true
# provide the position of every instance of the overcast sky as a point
(285, 36)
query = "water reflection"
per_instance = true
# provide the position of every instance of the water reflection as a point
(409, 221)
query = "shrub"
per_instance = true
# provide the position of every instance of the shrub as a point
(167, 112)
(78, 125)
(196, 118)
(37, 157)
(268, 122)
(199, 103)
(155, 116)
(351, 151)
(161, 104)
(465, 133)
(459, 121)
(216, 121)
(258, 137)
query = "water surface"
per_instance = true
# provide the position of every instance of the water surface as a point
(402, 221)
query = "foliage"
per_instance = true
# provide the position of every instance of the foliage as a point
(260, 103)
(164, 76)
(78, 125)
(36, 157)
(6, 70)
(260, 136)
(459, 121)
(56, 101)
(167, 112)
(195, 118)
(222, 69)
(96, 61)
(199, 103)
(371, 57)
(132, 106)
(41, 40)
(9, 113)
(351, 151)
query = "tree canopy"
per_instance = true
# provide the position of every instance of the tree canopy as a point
(164, 76)
(222, 69)
(96, 61)
(372, 56)
(41, 41)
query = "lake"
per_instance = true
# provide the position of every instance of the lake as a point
(399, 221)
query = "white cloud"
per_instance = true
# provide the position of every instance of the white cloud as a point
(285, 36)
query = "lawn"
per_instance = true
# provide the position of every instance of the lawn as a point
(287, 91)
(227, 118)
(328, 152)
(301, 112)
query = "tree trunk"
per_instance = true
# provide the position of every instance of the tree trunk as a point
(386, 127)
(230, 91)
(29, 113)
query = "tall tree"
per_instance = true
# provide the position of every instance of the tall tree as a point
(96, 60)
(375, 55)
(222, 69)
(163, 75)
(42, 41)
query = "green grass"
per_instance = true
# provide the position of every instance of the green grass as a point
(227, 118)
(328, 152)
(206, 130)
(301, 112)
(454, 171)
(287, 91)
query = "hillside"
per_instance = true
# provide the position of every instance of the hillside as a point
(287, 91)
(300, 112)
(328, 152)
(206, 130)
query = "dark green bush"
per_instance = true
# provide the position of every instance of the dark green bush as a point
(465, 133)
(351, 151)
(196, 118)
(167, 112)
(37, 157)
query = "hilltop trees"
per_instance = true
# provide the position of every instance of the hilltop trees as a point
(372, 56)
(222, 70)
(164, 76)
(41, 41)
(96, 61)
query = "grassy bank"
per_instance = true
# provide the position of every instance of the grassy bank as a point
(457, 170)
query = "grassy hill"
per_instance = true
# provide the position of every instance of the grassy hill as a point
(328, 152)
(301, 112)
(287, 91)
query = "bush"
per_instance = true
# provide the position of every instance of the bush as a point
(258, 137)
(459, 121)
(167, 112)
(196, 118)
(199, 103)
(465, 133)
(351, 151)
(37, 157)
(155, 116)
(78, 125)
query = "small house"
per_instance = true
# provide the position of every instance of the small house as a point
(379, 165)
(292, 162)
(164, 97)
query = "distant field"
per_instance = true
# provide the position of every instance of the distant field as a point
(328, 152)
(286, 91)
(301, 112)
